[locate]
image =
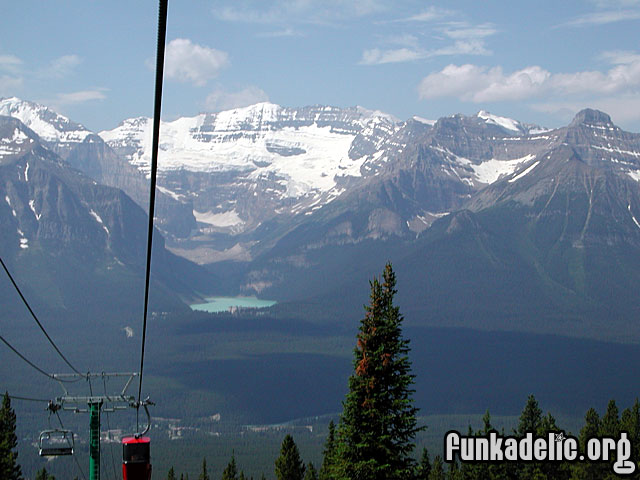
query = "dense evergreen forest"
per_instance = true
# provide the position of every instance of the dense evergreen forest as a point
(375, 435)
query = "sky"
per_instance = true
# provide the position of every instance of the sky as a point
(538, 62)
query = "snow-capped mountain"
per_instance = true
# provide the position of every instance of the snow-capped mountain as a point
(236, 172)
(278, 200)
(87, 152)
(50, 126)
(87, 240)
(300, 157)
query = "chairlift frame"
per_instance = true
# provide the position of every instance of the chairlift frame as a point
(55, 451)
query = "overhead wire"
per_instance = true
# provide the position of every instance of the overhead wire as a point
(33, 365)
(28, 399)
(162, 34)
(24, 300)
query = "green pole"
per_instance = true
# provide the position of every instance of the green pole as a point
(94, 441)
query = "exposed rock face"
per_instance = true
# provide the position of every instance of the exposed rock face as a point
(81, 234)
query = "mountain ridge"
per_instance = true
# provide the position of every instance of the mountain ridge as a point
(539, 213)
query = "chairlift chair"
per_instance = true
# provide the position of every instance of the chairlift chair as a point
(53, 443)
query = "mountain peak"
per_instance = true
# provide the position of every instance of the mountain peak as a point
(49, 125)
(589, 116)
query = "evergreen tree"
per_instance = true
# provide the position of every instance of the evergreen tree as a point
(589, 470)
(9, 468)
(454, 472)
(171, 474)
(424, 467)
(610, 423)
(437, 470)
(44, 475)
(530, 421)
(530, 417)
(311, 473)
(231, 470)
(610, 427)
(552, 470)
(289, 466)
(328, 453)
(630, 423)
(204, 474)
(378, 423)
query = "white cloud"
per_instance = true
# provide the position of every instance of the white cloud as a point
(623, 109)
(375, 56)
(463, 47)
(287, 32)
(479, 84)
(189, 62)
(80, 97)
(467, 40)
(9, 84)
(302, 11)
(620, 57)
(603, 18)
(220, 100)
(62, 67)
(429, 15)
(464, 31)
(403, 39)
(615, 3)
(10, 63)
(233, 14)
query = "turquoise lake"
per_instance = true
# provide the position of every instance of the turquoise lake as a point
(223, 304)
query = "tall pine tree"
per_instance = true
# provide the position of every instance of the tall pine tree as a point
(9, 468)
(231, 470)
(378, 423)
(289, 466)
(204, 474)
(171, 474)
(328, 453)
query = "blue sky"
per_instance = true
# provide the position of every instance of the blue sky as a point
(538, 62)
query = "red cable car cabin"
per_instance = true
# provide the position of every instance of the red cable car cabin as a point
(136, 458)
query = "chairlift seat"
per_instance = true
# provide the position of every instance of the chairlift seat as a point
(55, 451)
(54, 443)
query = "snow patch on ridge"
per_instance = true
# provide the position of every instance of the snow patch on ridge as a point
(32, 206)
(524, 172)
(632, 216)
(635, 174)
(504, 122)
(99, 220)
(492, 170)
(424, 120)
(224, 219)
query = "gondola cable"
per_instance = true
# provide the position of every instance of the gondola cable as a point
(162, 33)
(24, 300)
